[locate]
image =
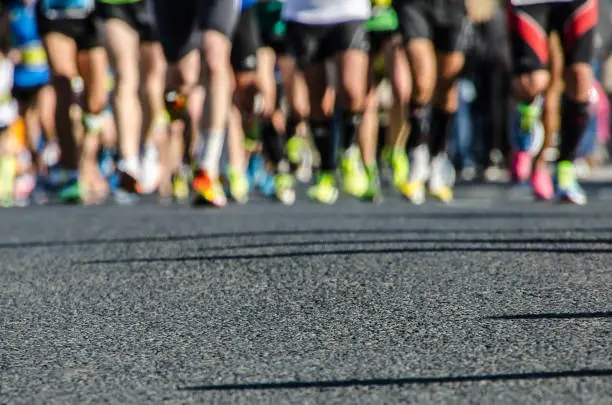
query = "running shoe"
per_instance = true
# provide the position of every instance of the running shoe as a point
(150, 172)
(256, 171)
(566, 185)
(442, 179)
(295, 146)
(414, 188)
(527, 139)
(127, 189)
(354, 180)
(374, 191)
(542, 184)
(325, 190)
(208, 191)
(180, 185)
(400, 166)
(8, 169)
(71, 193)
(24, 187)
(520, 166)
(238, 186)
(284, 188)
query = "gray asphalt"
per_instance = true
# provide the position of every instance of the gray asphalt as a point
(486, 301)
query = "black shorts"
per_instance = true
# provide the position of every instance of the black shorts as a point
(312, 44)
(444, 22)
(246, 42)
(180, 23)
(530, 25)
(378, 40)
(138, 15)
(88, 33)
(26, 95)
(272, 29)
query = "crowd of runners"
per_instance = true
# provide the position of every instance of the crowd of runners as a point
(210, 101)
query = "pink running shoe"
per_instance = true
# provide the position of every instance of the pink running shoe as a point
(542, 184)
(521, 166)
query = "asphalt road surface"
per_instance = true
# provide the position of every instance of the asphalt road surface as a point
(487, 301)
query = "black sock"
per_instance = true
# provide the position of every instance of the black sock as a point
(574, 119)
(382, 141)
(441, 130)
(273, 144)
(351, 121)
(291, 125)
(326, 144)
(419, 126)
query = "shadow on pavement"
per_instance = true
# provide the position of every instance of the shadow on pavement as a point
(314, 232)
(415, 239)
(400, 381)
(280, 255)
(554, 315)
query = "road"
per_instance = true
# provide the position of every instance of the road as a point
(486, 301)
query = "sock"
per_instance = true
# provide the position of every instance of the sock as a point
(130, 165)
(210, 155)
(441, 128)
(419, 126)
(351, 121)
(273, 144)
(574, 119)
(325, 143)
(381, 141)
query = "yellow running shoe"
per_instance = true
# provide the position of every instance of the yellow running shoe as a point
(285, 188)
(180, 186)
(8, 172)
(295, 145)
(400, 167)
(414, 191)
(443, 193)
(354, 179)
(325, 191)
(239, 186)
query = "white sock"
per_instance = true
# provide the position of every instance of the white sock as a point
(211, 153)
(131, 166)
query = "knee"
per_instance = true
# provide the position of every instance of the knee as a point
(354, 94)
(96, 101)
(423, 90)
(216, 54)
(529, 85)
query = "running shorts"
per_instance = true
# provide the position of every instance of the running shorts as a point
(312, 44)
(575, 21)
(246, 42)
(180, 23)
(88, 32)
(138, 15)
(26, 95)
(272, 27)
(444, 22)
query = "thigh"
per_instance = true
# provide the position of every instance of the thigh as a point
(529, 26)
(576, 22)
